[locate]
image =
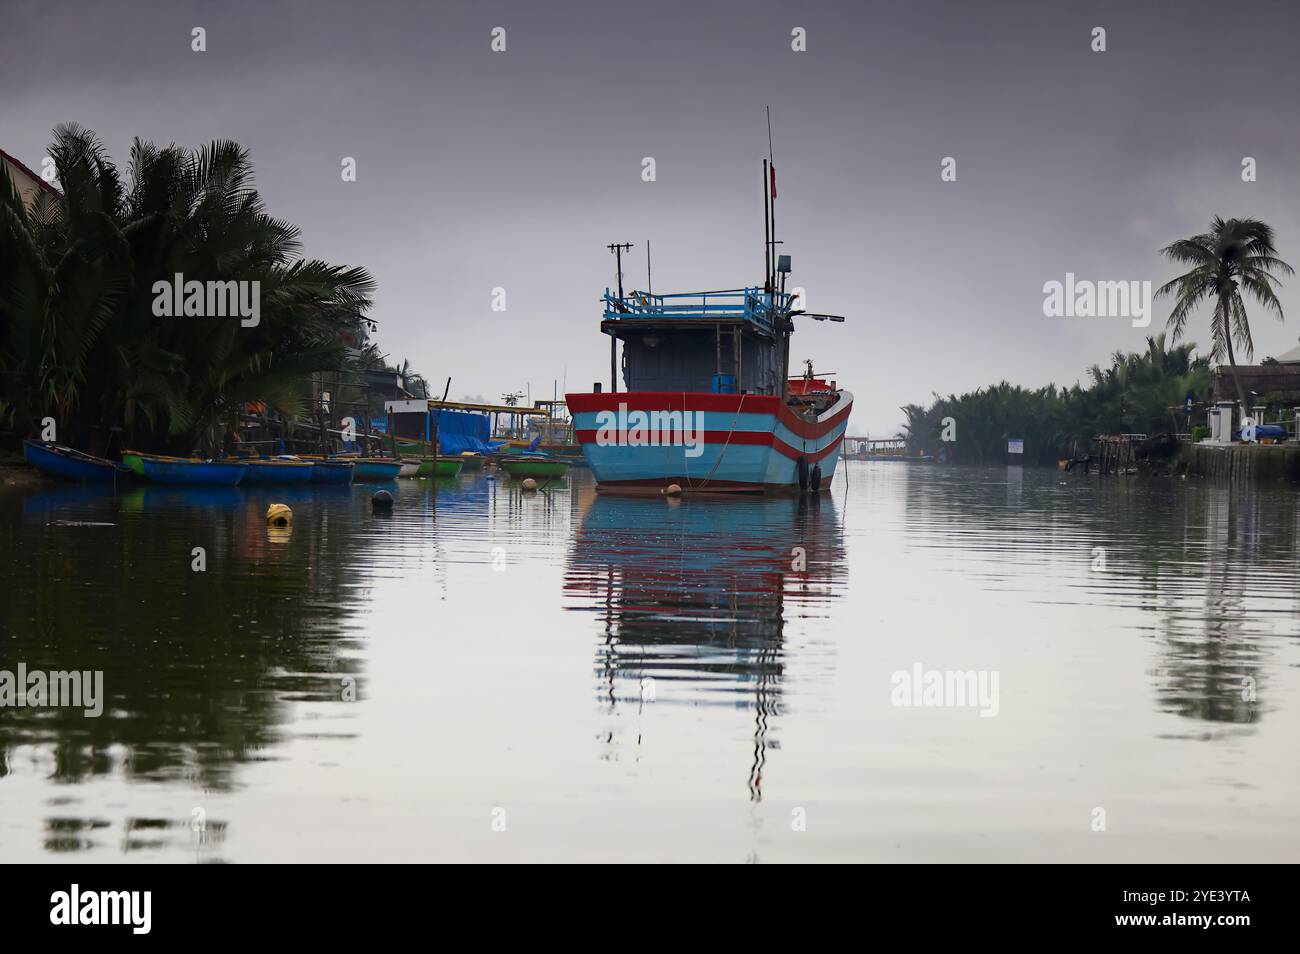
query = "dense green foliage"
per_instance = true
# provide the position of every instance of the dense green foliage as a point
(1132, 396)
(79, 339)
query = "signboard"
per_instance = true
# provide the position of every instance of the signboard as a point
(417, 406)
(1016, 446)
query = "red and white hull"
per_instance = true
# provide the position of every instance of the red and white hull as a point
(644, 441)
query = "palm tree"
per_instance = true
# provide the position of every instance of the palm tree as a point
(1234, 254)
(79, 340)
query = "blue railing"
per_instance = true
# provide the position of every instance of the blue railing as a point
(752, 304)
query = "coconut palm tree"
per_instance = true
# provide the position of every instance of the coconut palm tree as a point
(79, 337)
(1235, 255)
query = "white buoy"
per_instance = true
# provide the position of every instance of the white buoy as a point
(529, 484)
(673, 490)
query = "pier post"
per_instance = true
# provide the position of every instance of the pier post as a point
(717, 348)
(735, 349)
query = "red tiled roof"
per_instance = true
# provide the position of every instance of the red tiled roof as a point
(22, 168)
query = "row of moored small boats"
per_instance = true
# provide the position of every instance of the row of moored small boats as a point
(59, 461)
(72, 464)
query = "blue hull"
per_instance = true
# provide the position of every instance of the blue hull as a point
(375, 470)
(332, 472)
(70, 465)
(269, 472)
(194, 473)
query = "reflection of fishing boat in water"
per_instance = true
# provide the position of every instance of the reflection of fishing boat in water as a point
(695, 612)
(709, 404)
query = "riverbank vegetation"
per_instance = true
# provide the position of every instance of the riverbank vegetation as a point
(81, 338)
(1139, 393)
(1133, 395)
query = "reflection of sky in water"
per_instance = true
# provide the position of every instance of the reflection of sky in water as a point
(654, 679)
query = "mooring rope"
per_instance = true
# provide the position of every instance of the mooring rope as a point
(725, 444)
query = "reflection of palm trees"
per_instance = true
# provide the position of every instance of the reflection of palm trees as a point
(199, 668)
(1196, 555)
(1213, 665)
(691, 598)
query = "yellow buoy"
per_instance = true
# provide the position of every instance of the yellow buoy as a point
(278, 515)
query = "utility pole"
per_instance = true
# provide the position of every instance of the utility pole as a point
(617, 249)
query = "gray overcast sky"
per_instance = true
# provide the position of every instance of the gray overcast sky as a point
(479, 169)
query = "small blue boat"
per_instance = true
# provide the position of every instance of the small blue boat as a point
(278, 471)
(375, 469)
(206, 473)
(71, 464)
(331, 472)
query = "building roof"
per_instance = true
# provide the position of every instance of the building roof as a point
(28, 172)
(1290, 357)
(1282, 379)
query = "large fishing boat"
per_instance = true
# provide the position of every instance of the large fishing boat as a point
(709, 404)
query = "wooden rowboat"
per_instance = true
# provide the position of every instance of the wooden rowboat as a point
(135, 460)
(208, 473)
(274, 471)
(332, 471)
(375, 468)
(69, 464)
(439, 467)
(543, 467)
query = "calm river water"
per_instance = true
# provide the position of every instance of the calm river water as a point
(493, 675)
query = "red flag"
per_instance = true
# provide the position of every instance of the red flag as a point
(774, 180)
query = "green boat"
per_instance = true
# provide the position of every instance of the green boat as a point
(439, 467)
(543, 467)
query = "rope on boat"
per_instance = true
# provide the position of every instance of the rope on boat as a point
(725, 444)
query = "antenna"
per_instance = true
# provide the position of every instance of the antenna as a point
(769, 134)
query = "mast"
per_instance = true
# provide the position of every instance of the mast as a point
(771, 196)
(767, 241)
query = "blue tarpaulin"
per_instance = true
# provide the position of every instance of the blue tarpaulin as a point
(461, 431)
